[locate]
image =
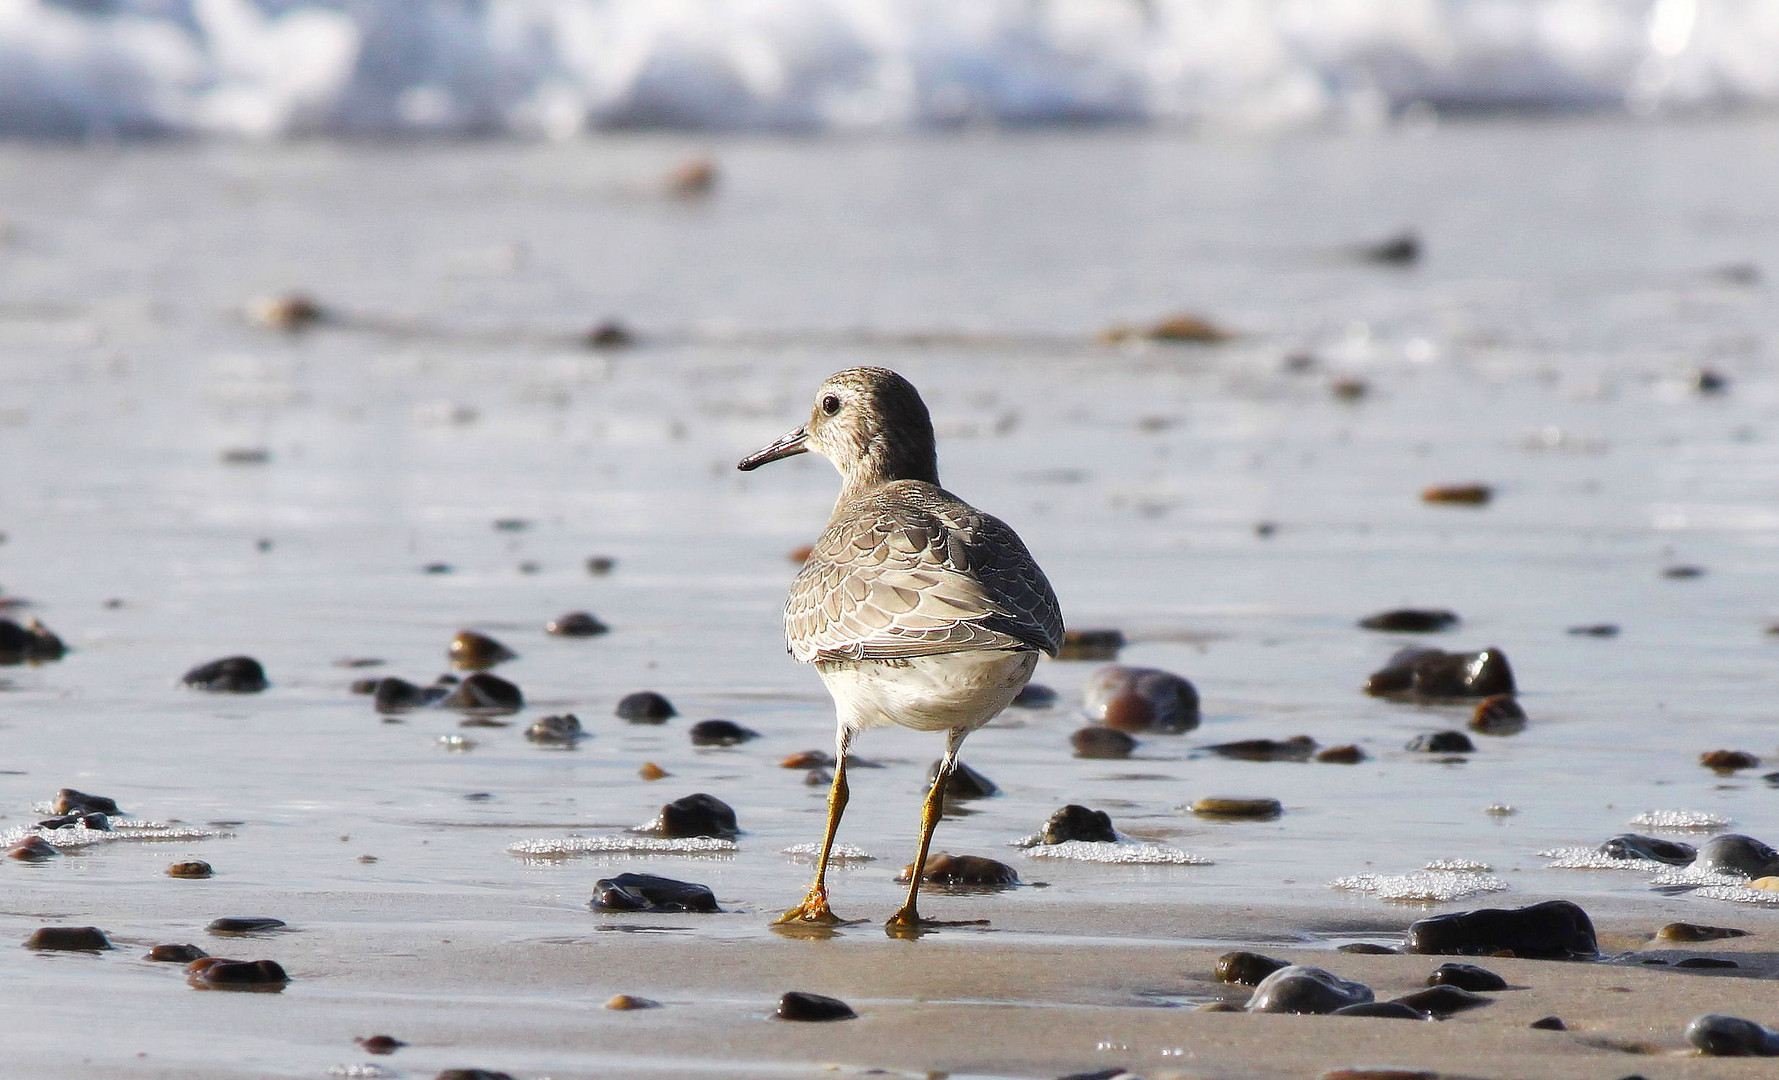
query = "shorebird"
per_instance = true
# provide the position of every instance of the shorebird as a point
(915, 607)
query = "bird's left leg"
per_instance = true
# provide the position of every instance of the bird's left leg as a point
(908, 918)
(814, 908)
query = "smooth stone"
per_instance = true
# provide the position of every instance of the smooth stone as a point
(1297, 748)
(32, 849)
(1367, 948)
(216, 973)
(964, 782)
(1444, 1000)
(196, 868)
(1076, 822)
(1717, 1035)
(1349, 388)
(601, 565)
(1141, 699)
(1418, 673)
(288, 313)
(77, 820)
(720, 733)
(1220, 1007)
(645, 707)
(696, 815)
(230, 675)
(1770, 883)
(1595, 630)
(1466, 977)
(1299, 989)
(1706, 962)
(630, 1003)
(1378, 1072)
(1683, 573)
(808, 759)
(1382, 1010)
(392, 695)
(175, 954)
(1403, 249)
(32, 643)
(380, 1044)
(1655, 849)
(363, 686)
(472, 1074)
(1459, 494)
(1034, 696)
(1349, 754)
(652, 771)
(1499, 714)
(1685, 931)
(70, 801)
(1102, 743)
(818, 778)
(485, 693)
(576, 624)
(1411, 620)
(471, 651)
(652, 894)
(798, 1005)
(1248, 808)
(1441, 742)
(1553, 930)
(1091, 645)
(945, 868)
(556, 730)
(1549, 1023)
(1734, 853)
(235, 927)
(1247, 968)
(68, 939)
(1728, 761)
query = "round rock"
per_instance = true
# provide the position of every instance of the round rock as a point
(696, 815)
(963, 870)
(1102, 743)
(802, 1006)
(1238, 808)
(1247, 968)
(68, 939)
(471, 651)
(1076, 822)
(720, 733)
(194, 868)
(562, 730)
(230, 675)
(1734, 853)
(1141, 699)
(1466, 977)
(1717, 1035)
(576, 624)
(652, 894)
(645, 707)
(1299, 989)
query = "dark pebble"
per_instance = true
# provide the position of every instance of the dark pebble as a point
(1717, 1035)
(651, 894)
(1685, 931)
(68, 939)
(1553, 930)
(1401, 250)
(797, 1005)
(436, 568)
(380, 1044)
(32, 849)
(1113, 1073)
(576, 624)
(1683, 573)
(1141, 699)
(246, 455)
(1635, 846)
(238, 926)
(472, 1074)
(947, 869)
(1595, 630)
(1444, 1000)
(556, 730)
(601, 565)
(1102, 743)
(1728, 761)
(1247, 968)
(1549, 1023)
(818, 777)
(808, 759)
(216, 973)
(1411, 620)
(1442, 742)
(230, 675)
(1421, 674)
(1382, 1010)
(1299, 989)
(1734, 853)
(964, 782)
(1349, 388)
(485, 693)
(1706, 962)
(1367, 948)
(196, 868)
(696, 815)
(32, 643)
(1076, 822)
(471, 651)
(1466, 977)
(1297, 748)
(1242, 807)
(1341, 755)
(364, 686)
(1498, 714)
(1707, 380)
(70, 801)
(720, 733)
(77, 820)
(1091, 645)
(1034, 696)
(1266, 529)
(609, 335)
(1459, 494)
(645, 707)
(393, 695)
(175, 954)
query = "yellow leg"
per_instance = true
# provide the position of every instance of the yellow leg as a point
(814, 908)
(908, 918)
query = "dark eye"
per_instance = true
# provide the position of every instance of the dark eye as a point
(830, 404)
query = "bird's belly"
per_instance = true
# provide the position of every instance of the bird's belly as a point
(928, 693)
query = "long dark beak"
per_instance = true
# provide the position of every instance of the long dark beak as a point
(787, 445)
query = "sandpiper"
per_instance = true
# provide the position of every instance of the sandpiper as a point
(916, 608)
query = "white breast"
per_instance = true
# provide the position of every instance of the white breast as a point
(928, 693)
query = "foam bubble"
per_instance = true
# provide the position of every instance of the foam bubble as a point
(1680, 820)
(1740, 894)
(1422, 886)
(597, 845)
(1101, 851)
(1581, 858)
(78, 836)
(839, 853)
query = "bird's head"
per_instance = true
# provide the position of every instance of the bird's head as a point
(870, 422)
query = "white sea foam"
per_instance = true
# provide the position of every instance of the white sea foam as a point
(840, 853)
(595, 845)
(283, 67)
(1099, 851)
(80, 836)
(1688, 875)
(1740, 894)
(1582, 858)
(1422, 886)
(1680, 820)
(1465, 866)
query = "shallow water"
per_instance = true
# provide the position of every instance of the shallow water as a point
(1544, 346)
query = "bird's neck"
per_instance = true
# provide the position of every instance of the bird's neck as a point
(883, 463)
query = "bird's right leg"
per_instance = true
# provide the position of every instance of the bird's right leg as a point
(814, 908)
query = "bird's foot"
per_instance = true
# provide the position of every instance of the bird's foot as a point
(907, 923)
(813, 911)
